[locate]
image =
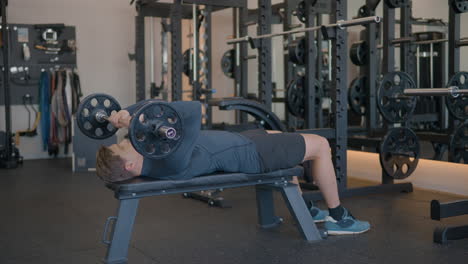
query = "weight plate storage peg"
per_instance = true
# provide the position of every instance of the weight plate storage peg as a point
(156, 130)
(394, 106)
(357, 95)
(458, 106)
(458, 147)
(399, 152)
(228, 62)
(92, 113)
(295, 96)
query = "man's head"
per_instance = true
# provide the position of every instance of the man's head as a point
(118, 162)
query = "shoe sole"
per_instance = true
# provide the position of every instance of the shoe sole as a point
(331, 232)
(319, 221)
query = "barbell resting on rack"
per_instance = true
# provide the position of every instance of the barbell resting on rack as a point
(339, 24)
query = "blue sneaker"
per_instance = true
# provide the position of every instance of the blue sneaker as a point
(346, 226)
(318, 215)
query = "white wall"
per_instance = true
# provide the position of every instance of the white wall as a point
(105, 34)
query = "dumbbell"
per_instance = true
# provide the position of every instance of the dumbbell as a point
(155, 130)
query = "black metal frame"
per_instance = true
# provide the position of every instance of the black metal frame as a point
(339, 96)
(118, 243)
(9, 156)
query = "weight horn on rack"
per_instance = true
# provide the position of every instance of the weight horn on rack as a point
(458, 105)
(394, 106)
(295, 96)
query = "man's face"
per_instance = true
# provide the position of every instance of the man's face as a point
(123, 148)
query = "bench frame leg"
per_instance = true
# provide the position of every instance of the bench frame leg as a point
(266, 207)
(301, 213)
(296, 205)
(117, 249)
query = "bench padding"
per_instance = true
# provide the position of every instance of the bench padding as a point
(144, 184)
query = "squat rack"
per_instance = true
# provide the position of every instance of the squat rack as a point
(176, 12)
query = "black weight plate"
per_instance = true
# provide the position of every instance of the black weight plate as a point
(458, 147)
(399, 152)
(357, 95)
(186, 63)
(396, 3)
(86, 115)
(228, 62)
(295, 96)
(393, 105)
(458, 106)
(358, 53)
(297, 51)
(300, 11)
(145, 124)
(459, 6)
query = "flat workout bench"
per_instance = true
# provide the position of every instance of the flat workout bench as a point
(129, 194)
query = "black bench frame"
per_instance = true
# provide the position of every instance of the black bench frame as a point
(119, 239)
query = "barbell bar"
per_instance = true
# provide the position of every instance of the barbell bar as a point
(162, 131)
(340, 24)
(453, 91)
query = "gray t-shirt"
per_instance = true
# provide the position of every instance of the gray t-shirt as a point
(202, 152)
(213, 151)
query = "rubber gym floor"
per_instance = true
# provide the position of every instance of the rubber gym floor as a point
(50, 215)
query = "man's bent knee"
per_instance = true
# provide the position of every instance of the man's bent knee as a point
(316, 147)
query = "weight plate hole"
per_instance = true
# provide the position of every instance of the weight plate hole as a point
(411, 159)
(387, 86)
(385, 101)
(158, 111)
(107, 103)
(150, 148)
(404, 168)
(98, 132)
(86, 112)
(110, 127)
(462, 79)
(396, 79)
(94, 102)
(113, 112)
(140, 136)
(87, 125)
(172, 120)
(394, 168)
(142, 119)
(165, 148)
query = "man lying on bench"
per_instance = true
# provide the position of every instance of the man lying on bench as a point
(209, 151)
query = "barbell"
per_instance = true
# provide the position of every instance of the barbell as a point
(339, 24)
(155, 130)
(397, 95)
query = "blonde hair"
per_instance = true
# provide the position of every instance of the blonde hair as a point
(110, 167)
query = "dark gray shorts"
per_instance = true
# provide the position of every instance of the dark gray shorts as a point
(277, 151)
